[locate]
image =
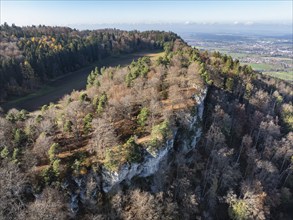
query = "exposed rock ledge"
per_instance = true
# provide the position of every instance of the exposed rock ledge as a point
(149, 166)
(151, 162)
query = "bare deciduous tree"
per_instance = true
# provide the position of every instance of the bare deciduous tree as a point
(41, 146)
(103, 136)
(14, 188)
(6, 134)
(49, 205)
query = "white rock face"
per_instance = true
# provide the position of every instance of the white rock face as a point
(151, 162)
(148, 167)
(198, 118)
(200, 102)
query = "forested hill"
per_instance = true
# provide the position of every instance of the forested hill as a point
(29, 56)
(188, 135)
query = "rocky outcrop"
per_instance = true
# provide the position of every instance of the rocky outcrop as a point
(152, 161)
(150, 165)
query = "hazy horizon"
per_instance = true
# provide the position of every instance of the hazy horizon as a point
(115, 13)
(182, 28)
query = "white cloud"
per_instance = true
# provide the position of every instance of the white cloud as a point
(249, 23)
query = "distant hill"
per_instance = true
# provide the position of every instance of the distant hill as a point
(30, 56)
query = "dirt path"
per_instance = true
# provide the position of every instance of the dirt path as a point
(69, 82)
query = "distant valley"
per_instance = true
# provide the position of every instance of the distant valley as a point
(269, 54)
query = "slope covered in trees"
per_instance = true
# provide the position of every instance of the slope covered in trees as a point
(30, 56)
(241, 168)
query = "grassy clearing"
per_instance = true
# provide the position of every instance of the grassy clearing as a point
(44, 90)
(261, 66)
(154, 56)
(64, 84)
(281, 75)
(221, 50)
(238, 55)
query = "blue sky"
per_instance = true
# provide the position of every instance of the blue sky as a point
(101, 12)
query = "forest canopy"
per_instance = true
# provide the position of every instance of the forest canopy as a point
(30, 56)
(238, 163)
